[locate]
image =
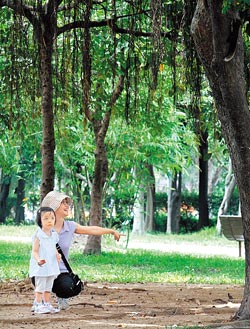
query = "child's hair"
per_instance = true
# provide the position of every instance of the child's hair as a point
(39, 214)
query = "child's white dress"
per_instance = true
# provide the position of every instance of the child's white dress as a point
(48, 252)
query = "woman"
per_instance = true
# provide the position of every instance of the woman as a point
(61, 203)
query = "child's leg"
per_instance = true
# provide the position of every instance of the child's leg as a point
(38, 297)
(47, 294)
(39, 288)
(39, 308)
(48, 288)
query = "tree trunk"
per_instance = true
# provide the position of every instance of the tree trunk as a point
(45, 27)
(4, 192)
(174, 204)
(48, 142)
(203, 181)
(150, 204)
(100, 127)
(93, 245)
(43, 20)
(212, 33)
(101, 166)
(20, 193)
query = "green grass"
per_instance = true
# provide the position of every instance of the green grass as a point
(117, 264)
(144, 266)
(14, 260)
(20, 231)
(128, 265)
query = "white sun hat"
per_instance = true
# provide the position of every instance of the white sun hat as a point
(53, 199)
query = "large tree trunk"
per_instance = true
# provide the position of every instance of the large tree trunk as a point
(48, 143)
(93, 245)
(203, 181)
(101, 166)
(100, 127)
(43, 20)
(212, 31)
(45, 35)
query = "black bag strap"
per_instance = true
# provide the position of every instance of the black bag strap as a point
(64, 258)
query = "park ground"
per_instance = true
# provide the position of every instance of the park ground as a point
(107, 306)
(142, 305)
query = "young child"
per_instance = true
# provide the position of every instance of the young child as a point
(44, 261)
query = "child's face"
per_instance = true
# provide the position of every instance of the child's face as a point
(48, 219)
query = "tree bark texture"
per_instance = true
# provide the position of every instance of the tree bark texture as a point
(20, 192)
(100, 127)
(48, 143)
(203, 181)
(150, 203)
(46, 33)
(43, 20)
(93, 245)
(211, 31)
(4, 193)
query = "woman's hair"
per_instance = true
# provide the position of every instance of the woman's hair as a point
(39, 214)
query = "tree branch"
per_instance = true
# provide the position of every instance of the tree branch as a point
(115, 95)
(69, 172)
(26, 11)
(19, 8)
(111, 23)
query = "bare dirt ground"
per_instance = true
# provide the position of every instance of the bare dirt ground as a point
(108, 306)
(139, 306)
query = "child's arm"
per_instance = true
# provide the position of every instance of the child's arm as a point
(58, 256)
(35, 252)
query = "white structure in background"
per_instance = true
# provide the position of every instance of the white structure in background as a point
(30, 216)
(139, 216)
